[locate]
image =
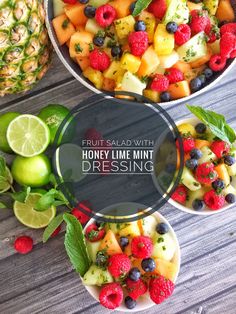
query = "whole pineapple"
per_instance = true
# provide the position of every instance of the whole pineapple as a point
(24, 45)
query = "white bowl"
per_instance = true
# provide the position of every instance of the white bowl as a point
(143, 302)
(194, 121)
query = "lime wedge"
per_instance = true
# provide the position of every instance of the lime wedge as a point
(28, 135)
(31, 218)
(6, 184)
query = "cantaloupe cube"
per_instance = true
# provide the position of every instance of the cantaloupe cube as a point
(110, 244)
(225, 11)
(124, 26)
(137, 263)
(164, 42)
(223, 173)
(75, 13)
(150, 22)
(94, 76)
(149, 62)
(152, 95)
(83, 62)
(80, 44)
(201, 143)
(182, 66)
(64, 29)
(166, 269)
(130, 62)
(194, 6)
(108, 84)
(179, 90)
(202, 60)
(193, 73)
(121, 7)
(114, 71)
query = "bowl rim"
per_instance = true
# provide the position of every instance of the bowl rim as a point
(81, 79)
(205, 212)
(150, 303)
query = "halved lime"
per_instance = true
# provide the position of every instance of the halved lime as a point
(6, 184)
(28, 135)
(31, 218)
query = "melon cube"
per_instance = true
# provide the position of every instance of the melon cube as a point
(124, 26)
(149, 62)
(75, 13)
(92, 26)
(164, 42)
(130, 62)
(121, 7)
(166, 269)
(131, 83)
(110, 244)
(64, 29)
(80, 44)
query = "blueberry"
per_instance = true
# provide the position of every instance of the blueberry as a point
(132, 6)
(202, 77)
(101, 259)
(148, 264)
(162, 228)
(83, 1)
(170, 168)
(140, 26)
(165, 96)
(130, 303)
(229, 160)
(191, 163)
(124, 241)
(195, 84)
(134, 274)
(116, 51)
(196, 154)
(98, 41)
(200, 128)
(230, 198)
(172, 27)
(208, 73)
(218, 185)
(89, 11)
(197, 204)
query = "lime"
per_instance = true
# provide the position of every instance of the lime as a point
(6, 184)
(5, 120)
(34, 171)
(28, 135)
(53, 115)
(31, 218)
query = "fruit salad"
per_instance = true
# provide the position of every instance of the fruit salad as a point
(209, 174)
(131, 263)
(162, 49)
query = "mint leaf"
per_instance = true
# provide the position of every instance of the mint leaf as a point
(140, 6)
(216, 123)
(56, 222)
(21, 196)
(75, 244)
(52, 197)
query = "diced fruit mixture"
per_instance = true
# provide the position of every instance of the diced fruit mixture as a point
(209, 175)
(165, 51)
(130, 260)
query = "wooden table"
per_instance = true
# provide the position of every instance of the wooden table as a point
(44, 281)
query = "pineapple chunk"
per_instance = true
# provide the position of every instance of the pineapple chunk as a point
(152, 95)
(186, 128)
(164, 42)
(129, 229)
(80, 44)
(94, 76)
(166, 269)
(114, 71)
(124, 26)
(131, 83)
(211, 6)
(130, 62)
(150, 21)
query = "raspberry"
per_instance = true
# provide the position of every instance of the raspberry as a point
(136, 288)
(94, 233)
(188, 143)
(160, 83)
(160, 289)
(183, 34)
(174, 75)
(228, 28)
(99, 60)
(158, 8)
(213, 200)
(56, 232)
(141, 247)
(111, 295)
(180, 194)
(217, 63)
(138, 42)
(105, 15)
(233, 54)
(81, 216)
(220, 148)
(205, 173)
(119, 265)
(200, 21)
(23, 244)
(70, 1)
(227, 45)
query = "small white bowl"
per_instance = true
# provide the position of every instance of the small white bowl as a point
(143, 302)
(205, 212)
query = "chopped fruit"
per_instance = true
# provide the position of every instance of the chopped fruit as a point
(158, 8)
(150, 22)
(94, 76)
(136, 288)
(200, 21)
(83, 62)
(124, 26)
(187, 141)
(105, 15)
(122, 7)
(131, 83)
(130, 62)
(213, 200)
(174, 75)
(97, 276)
(220, 148)
(76, 15)
(152, 95)
(94, 233)
(80, 44)
(149, 62)
(223, 173)
(183, 34)
(138, 42)
(141, 247)
(225, 11)
(168, 61)
(99, 60)
(205, 173)
(227, 44)
(23, 245)
(164, 42)
(166, 269)
(114, 71)
(119, 265)
(110, 244)
(160, 289)
(111, 295)
(217, 63)
(164, 246)
(187, 128)
(129, 229)
(179, 90)
(180, 194)
(64, 28)
(160, 83)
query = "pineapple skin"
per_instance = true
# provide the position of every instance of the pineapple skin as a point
(25, 49)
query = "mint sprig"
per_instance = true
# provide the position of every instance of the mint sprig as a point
(140, 6)
(215, 122)
(54, 224)
(75, 244)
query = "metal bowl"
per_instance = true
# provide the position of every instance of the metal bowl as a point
(74, 69)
